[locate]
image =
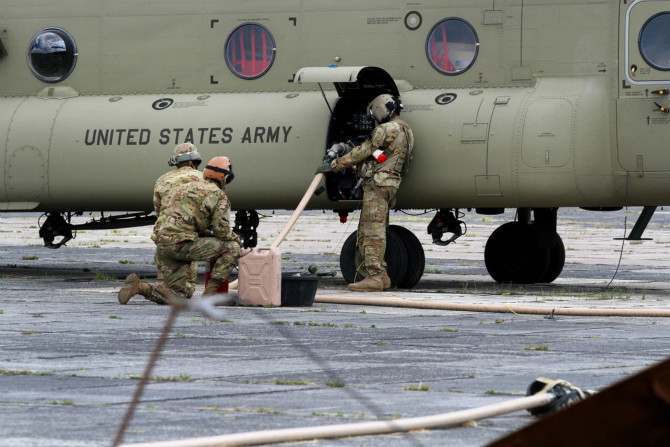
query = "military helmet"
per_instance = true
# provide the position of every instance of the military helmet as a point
(185, 152)
(383, 106)
(219, 168)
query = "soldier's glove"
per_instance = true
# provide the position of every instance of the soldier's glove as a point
(324, 168)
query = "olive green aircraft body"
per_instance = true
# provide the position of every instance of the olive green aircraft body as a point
(527, 104)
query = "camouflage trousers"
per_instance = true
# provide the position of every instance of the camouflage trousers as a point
(174, 262)
(192, 275)
(372, 226)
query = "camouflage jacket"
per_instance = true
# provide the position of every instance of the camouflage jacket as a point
(169, 180)
(164, 186)
(192, 209)
(395, 138)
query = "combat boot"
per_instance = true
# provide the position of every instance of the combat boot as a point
(386, 281)
(369, 284)
(132, 287)
(212, 287)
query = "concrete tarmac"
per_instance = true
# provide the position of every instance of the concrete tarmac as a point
(71, 355)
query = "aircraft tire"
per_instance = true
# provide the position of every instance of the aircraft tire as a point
(351, 262)
(416, 258)
(512, 254)
(556, 260)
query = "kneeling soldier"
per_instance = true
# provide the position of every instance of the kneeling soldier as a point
(195, 228)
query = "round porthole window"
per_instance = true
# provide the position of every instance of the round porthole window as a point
(654, 41)
(52, 55)
(250, 51)
(452, 46)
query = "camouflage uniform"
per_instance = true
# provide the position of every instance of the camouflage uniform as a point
(381, 183)
(194, 208)
(162, 191)
(168, 181)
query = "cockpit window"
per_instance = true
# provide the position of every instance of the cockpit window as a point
(452, 46)
(654, 41)
(52, 55)
(250, 51)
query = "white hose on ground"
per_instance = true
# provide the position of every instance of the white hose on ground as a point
(294, 217)
(359, 429)
(493, 308)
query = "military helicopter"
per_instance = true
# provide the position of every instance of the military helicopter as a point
(529, 105)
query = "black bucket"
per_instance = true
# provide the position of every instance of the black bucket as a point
(298, 289)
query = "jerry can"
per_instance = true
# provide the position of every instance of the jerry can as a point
(259, 281)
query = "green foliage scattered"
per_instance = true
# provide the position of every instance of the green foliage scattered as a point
(419, 387)
(63, 402)
(99, 276)
(536, 348)
(291, 382)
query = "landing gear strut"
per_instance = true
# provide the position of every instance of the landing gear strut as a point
(56, 225)
(53, 227)
(446, 222)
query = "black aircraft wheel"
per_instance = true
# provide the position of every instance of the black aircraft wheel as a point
(351, 261)
(556, 260)
(512, 254)
(416, 258)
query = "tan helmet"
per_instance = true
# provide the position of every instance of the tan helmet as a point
(383, 106)
(219, 168)
(185, 152)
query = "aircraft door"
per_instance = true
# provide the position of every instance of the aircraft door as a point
(356, 87)
(643, 122)
(26, 154)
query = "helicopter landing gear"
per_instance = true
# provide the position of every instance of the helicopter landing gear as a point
(526, 252)
(404, 258)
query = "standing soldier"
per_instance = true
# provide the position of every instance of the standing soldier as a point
(187, 159)
(381, 181)
(182, 236)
